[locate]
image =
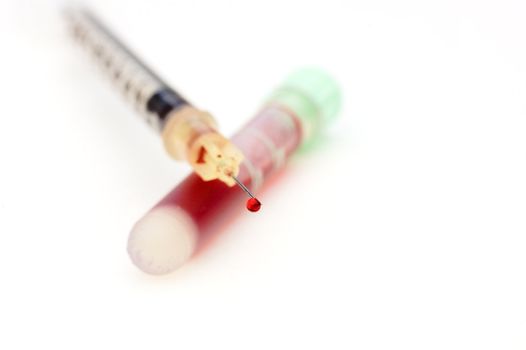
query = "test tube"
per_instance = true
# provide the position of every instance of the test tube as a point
(167, 236)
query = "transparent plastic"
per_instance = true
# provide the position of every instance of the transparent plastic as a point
(188, 134)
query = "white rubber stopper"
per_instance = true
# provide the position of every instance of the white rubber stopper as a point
(162, 241)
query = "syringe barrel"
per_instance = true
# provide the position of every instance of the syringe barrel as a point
(188, 134)
(142, 87)
(170, 232)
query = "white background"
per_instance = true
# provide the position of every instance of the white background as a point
(404, 229)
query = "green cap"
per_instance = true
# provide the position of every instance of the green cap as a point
(313, 95)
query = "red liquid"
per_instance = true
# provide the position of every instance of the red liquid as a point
(253, 204)
(266, 141)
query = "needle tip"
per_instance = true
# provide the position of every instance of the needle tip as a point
(253, 204)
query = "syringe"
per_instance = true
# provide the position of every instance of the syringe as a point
(180, 223)
(188, 133)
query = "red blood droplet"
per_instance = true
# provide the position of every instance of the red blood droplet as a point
(253, 204)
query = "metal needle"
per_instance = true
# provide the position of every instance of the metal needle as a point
(243, 187)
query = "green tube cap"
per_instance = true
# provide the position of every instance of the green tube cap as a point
(313, 95)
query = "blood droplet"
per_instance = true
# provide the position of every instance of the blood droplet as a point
(253, 204)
